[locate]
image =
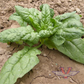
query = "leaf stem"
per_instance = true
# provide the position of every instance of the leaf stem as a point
(38, 46)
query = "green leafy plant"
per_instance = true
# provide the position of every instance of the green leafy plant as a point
(62, 32)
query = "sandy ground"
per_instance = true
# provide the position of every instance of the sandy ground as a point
(50, 60)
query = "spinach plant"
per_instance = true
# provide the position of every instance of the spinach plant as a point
(62, 32)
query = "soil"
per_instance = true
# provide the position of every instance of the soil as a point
(50, 60)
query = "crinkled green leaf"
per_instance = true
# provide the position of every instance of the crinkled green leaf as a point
(46, 17)
(50, 30)
(56, 23)
(71, 23)
(64, 16)
(18, 65)
(32, 16)
(51, 10)
(57, 40)
(19, 34)
(47, 33)
(68, 27)
(73, 49)
(18, 18)
(53, 41)
(76, 16)
(62, 35)
(70, 33)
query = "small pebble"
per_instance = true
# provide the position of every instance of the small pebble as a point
(78, 10)
(69, 0)
(8, 46)
(52, 65)
(49, 74)
(44, 55)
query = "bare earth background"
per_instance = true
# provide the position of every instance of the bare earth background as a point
(50, 60)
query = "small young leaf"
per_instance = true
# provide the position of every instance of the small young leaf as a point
(18, 18)
(51, 12)
(47, 33)
(46, 17)
(18, 65)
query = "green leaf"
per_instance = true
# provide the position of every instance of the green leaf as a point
(18, 65)
(71, 22)
(57, 40)
(41, 6)
(56, 23)
(76, 16)
(69, 26)
(32, 16)
(47, 33)
(51, 12)
(54, 40)
(73, 49)
(65, 16)
(19, 34)
(49, 43)
(70, 33)
(18, 18)
(46, 17)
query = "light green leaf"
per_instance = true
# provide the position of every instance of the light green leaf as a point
(47, 33)
(19, 34)
(53, 41)
(70, 33)
(71, 22)
(76, 16)
(51, 10)
(32, 16)
(18, 18)
(65, 16)
(57, 40)
(18, 65)
(69, 26)
(73, 49)
(46, 17)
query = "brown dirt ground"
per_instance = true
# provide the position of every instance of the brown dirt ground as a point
(50, 60)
